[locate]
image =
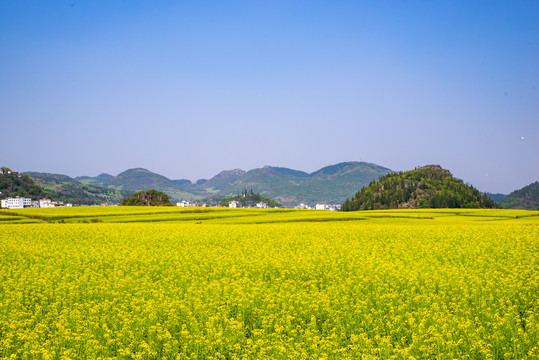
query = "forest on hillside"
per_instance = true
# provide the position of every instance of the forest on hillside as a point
(426, 187)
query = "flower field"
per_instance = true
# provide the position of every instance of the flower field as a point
(168, 283)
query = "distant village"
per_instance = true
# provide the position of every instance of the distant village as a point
(22, 202)
(263, 205)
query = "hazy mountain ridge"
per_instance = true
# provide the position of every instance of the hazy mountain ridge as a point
(498, 197)
(331, 184)
(291, 187)
(526, 198)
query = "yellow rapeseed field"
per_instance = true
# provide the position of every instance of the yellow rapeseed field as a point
(139, 283)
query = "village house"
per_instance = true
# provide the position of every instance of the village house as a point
(45, 203)
(330, 207)
(262, 205)
(16, 203)
(184, 203)
(320, 206)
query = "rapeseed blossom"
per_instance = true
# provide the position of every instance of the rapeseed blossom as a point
(448, 287)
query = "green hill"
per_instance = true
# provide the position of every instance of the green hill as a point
(426, 187)
(147, 198)
(64, 188)
(97, 180)
(139, 179)
(12, 185)
(332, 184)
(142, 179)
(526, 198)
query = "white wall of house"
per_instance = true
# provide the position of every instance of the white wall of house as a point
(321, 206)
(45, 203)
(15, 203)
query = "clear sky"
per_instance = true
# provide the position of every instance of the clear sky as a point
(189, 88)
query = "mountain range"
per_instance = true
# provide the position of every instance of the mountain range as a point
(331, 184)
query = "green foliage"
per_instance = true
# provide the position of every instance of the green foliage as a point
(426, 187)
(526, 198)
(19, 185)
(147, 198)
(64, 188)
(250, 200)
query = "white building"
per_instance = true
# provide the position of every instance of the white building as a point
(183, 204)
(234, 204)
(262, 205)
(60, 204)
(16, 203)
(320, 206)
(45, 203)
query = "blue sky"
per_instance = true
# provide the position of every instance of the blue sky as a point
(190, 88)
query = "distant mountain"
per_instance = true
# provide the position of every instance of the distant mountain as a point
(139, 179)
(56, 178)
(223, 180)
(290, 187)
(430, 186)
(331, 184)
(526, 198)
(142, 179)
(64, 188)
(496, 197)
(99, 179)
(103, 177)
(182, 182)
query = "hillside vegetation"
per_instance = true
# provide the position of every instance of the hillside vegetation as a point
(12, 185)
(526, 198)
(289, 187)
(147, 198)
(64, 188)
(430, 186)
(331, 184)
(250, 200)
